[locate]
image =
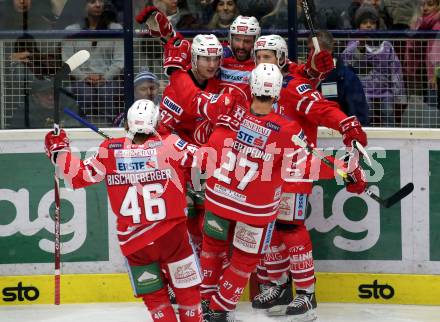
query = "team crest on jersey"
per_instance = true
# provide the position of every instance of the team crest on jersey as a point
(172, 106)
(303, 88)
(202, 132)
(136, 164)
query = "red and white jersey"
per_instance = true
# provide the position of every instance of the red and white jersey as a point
(179, 114)
(300, 101)
(251, 166)
(234, 75)
(144, 184)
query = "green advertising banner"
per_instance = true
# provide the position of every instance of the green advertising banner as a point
(434, 205)
(346, 226)
(27, 209)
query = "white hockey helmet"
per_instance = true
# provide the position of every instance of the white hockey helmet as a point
(275, 43)
(205, 45)
(142, 117)
(243, 25)
(266, 80)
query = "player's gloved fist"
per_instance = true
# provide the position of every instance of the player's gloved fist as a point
(156, 22)
(233, 118)
(319, 65)
(55, 143)
(351, 130)
(355, 182)
(177, 54)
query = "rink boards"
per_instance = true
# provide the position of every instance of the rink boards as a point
(389, 255)
(331, 287)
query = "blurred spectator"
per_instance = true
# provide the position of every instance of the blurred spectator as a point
(348, 16)
(331, 18)
(26, 15)
(178, 14)
(399, 13)
(278, 18)
(225, 13)
(146, 86)
(379, 70)
(37, 112)
(57, 7)
(96, 83)
(342, 85)
(423, 57)
(257, 8)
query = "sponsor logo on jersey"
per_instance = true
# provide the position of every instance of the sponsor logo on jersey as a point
(255, 127)
(253, 134)
(180, 144)
(234, 76)
(246, 237)
(115, 146)
(172, 106)
(154, 144)
(129, 153)
(251, 138)
(185, 273)
(146, 276)
(215, 225)
(303, 88)
(136, 164)
(229, 193)
(268, 237)
(300, 206)
(273, 126)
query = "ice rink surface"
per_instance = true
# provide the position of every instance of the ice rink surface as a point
(136, 312)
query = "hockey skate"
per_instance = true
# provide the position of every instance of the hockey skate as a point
(223, 316)
(274, 298)
(206, 311)
(302, 308)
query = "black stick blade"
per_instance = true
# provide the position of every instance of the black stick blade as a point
(399, 195)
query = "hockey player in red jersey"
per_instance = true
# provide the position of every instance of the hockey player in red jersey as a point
(254, 153)
(189, 108)
(144, 178)
(291, 245)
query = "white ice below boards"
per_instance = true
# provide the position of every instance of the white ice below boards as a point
(135, 312)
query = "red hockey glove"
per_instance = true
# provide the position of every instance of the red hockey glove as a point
(212, 106)
(55, 143)
(319, 65)
(351, 130)
(233, 118)
(177, 54)
(156, 22)
(355, 182)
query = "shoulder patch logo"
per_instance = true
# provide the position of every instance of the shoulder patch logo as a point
(172, 106)
(304, 88)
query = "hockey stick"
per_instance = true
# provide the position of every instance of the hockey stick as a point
(386, 203)
(309, 20)
(84, 122)
(68, 66)
(97, 130)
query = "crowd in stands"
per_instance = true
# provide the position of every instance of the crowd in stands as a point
(388, 74)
